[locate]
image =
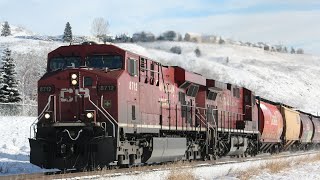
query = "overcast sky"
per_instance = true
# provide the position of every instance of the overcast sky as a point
(289, 22)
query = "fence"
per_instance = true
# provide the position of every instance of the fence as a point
(13, 109)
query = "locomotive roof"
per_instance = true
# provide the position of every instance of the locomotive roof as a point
(274, 103)
(83, 49)
(91, 47)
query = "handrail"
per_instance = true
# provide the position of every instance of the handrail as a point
(41, 114)
(198, 114)
(214, 119)
(113, 126)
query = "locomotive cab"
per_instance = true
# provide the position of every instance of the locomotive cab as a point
(78, 95)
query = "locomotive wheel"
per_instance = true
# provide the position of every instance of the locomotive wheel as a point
(206, 157)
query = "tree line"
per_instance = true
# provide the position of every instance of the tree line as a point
(100, 30)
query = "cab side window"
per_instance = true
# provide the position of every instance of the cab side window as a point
(132, 67)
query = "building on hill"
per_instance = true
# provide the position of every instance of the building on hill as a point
(193, 37)
(209, 39)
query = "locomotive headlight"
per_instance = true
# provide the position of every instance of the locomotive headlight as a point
(74, 79)
(74, 76)
(47, 115)
(74, 82)
(89, 115)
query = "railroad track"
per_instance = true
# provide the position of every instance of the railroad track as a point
(105, 173)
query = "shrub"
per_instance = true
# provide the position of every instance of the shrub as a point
(176, 49)
(197, 52)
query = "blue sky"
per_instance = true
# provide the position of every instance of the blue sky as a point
(289, 22)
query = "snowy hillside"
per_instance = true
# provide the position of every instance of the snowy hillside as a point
(19, 30)
(287, 78)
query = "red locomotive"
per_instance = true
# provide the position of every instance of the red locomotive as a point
(100, 105)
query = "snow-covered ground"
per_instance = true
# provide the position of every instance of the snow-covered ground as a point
(14, 145)
(287, 78)
(295, 168)
(14, 159)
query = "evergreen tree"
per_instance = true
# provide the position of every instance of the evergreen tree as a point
(221, 41)
(293, 51)
(5, 31)
(8, 90)
(67, 35)
(2, 96)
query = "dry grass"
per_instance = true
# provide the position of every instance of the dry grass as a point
(276, 166)
(315, 158)
(180, 175)
(244, 175)
(178, 171)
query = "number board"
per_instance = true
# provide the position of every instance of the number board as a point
(46, 89)
(109, 87)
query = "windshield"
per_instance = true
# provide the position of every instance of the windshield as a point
(64, 62)
(105, 61)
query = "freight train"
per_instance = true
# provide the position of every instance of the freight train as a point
(100, 105)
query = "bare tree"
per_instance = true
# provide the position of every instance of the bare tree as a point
(100, 28)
